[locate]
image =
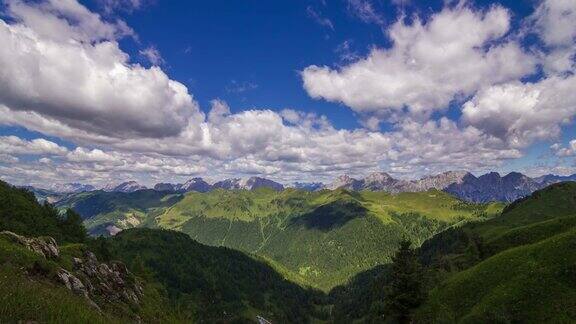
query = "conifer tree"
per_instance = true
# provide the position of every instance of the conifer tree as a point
(405, 291)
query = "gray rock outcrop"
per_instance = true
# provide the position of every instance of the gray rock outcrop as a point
(106, 282)
(46, 246)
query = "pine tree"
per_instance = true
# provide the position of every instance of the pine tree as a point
(101, 247)
(405, 291)
(71, 227)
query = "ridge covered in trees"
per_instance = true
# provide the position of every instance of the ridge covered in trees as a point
(515, 267)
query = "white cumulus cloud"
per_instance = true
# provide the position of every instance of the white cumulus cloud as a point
(15, 145)
(454, 53)
(521, 113)
(62, 62)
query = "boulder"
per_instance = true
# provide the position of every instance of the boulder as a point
(72, 282)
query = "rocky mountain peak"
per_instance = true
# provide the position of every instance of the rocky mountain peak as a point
(257, 182)
(492, 176)
(128, 186)
(344, 178)
(195, 184)
(516, 176)
(382, 181)
(346, 182)
(378, 177)
(228, 184)
(309, 186)
(455, 175)
(251, 183)
(443, 180)
(72, 187)
(164, 187)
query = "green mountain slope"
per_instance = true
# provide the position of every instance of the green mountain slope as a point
(101, 209)
(545, 213)
(533, 283)
(525, 273)
(543, 208)
(31, 286)
(518, 267)
(23, 299)
(320, 239)
(323, 238)
(172, 278)
(212, 283)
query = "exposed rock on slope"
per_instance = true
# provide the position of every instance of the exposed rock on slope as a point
(111, 281)
(96, 281)
(45, 246)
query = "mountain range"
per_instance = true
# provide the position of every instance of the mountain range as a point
(289, 256)
(464, 185)
(344, 231)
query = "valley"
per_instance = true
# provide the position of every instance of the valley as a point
(320, 239)
(297, 256)
(298, 162)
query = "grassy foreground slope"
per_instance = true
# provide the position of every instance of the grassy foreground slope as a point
(29, 288)
(29, 291)
(321, 238)
(22, 299)
(533, 283)
(529, 275)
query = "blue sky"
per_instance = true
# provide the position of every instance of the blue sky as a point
(290, 90)
(215, 47)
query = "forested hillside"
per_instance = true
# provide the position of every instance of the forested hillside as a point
(213, 283)
(105, 212)
(514, 268)
(39, 276)
(171, 279)
(21, 213)
(318, 239)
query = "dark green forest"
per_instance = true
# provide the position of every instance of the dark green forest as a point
(211, 283)
(517, 267)
(21, 213)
